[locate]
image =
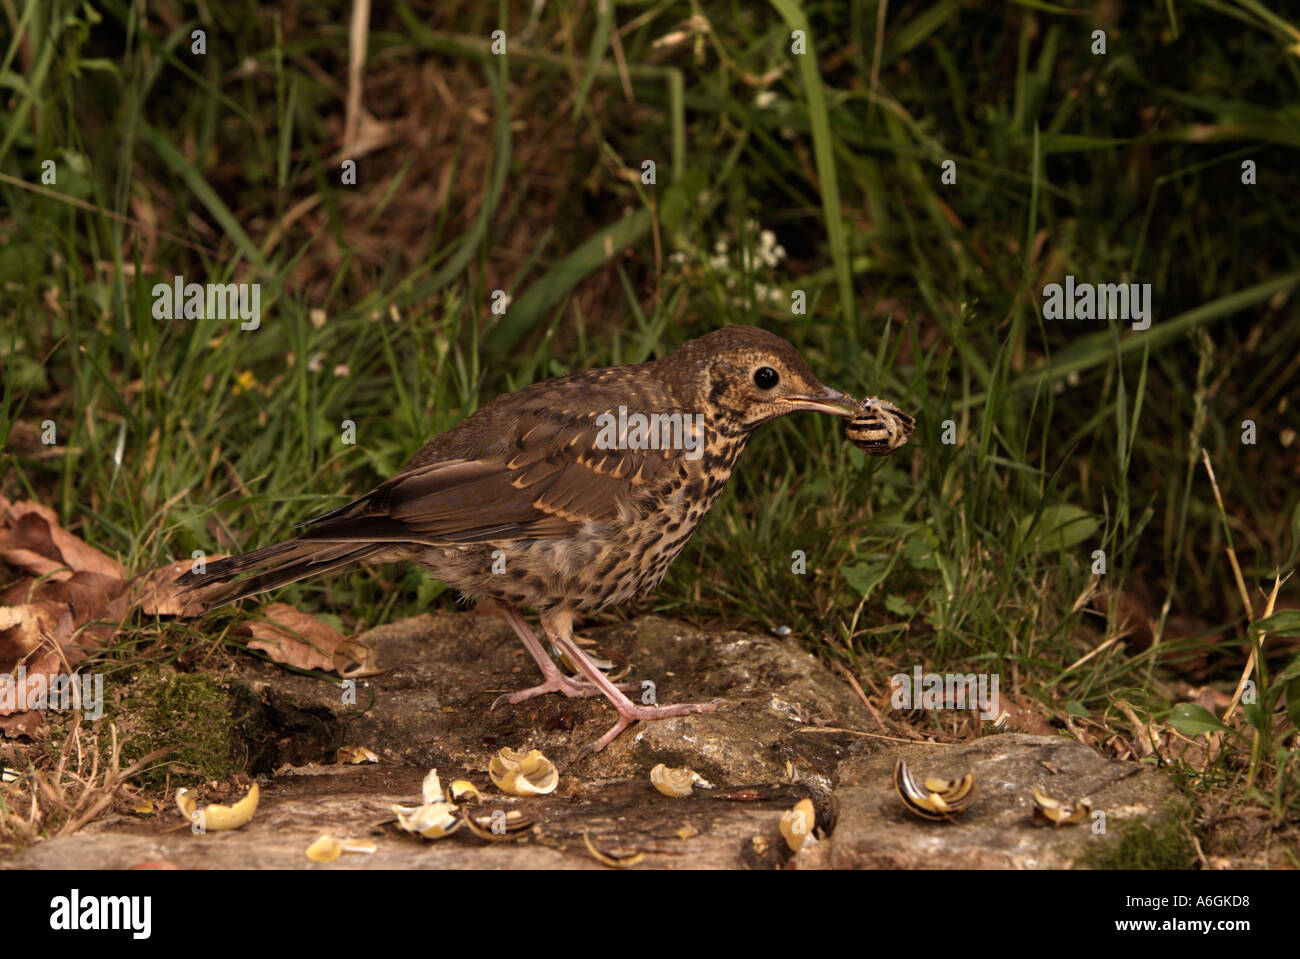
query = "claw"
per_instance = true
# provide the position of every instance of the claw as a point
(572, 688)
(627, 715)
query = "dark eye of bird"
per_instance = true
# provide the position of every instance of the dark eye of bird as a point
(765, 378)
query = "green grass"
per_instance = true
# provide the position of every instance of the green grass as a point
(177, 436)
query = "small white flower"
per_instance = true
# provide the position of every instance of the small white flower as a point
(765, 99)
(316, 362)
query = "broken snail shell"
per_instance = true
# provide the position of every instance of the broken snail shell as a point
(216, 817)
(523, 774)
(797, 825)
(677, 781)
(462, 790)
(431, 788)
(1058, 813)
(432, 820)
(327, 848)
(879, 427)
(499, 825)
(939, 799)
(356, 755)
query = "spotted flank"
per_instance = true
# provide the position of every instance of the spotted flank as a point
(879, 427)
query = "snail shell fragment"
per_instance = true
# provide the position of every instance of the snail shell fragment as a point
(879, 427)
(432, 820)
(462, 790)
(939, 799)
(216, 817)
(523, 774)
(797, 825)
(677, 782)
(1058, 813)
(327, 848)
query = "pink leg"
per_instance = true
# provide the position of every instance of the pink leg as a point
(555, 681)
(628, 711)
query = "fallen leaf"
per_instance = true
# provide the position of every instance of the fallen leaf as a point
(25, 628)
(32, 539)
(21, 724)
(294, 638)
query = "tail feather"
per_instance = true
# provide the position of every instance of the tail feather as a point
(287, 562)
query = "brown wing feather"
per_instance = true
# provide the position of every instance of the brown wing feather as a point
(550, 479)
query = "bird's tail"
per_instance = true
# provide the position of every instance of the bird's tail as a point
(222, 581)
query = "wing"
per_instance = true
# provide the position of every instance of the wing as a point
(550, 475)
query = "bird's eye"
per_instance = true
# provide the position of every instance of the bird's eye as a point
(765, 378)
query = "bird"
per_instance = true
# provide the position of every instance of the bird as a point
(567, 497)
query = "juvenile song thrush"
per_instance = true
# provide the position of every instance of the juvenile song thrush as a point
(570, 495)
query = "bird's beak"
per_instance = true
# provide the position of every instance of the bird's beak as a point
(826, 401)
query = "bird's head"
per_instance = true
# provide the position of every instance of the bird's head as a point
(747, 376)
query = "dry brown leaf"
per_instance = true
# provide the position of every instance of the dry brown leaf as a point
(294, 638)
(32, 539)
(21, 724)
(52, 622)
(25, 628)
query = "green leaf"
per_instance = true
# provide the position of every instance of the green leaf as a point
(1293, 700)
(1283, 623)
(899, 606)
(1192, 720)
(1257, 715)
(1076, 708)
(919, 551)
(864, 578)
(1289, 672)
(1058, 528)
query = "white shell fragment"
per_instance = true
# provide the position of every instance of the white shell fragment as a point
(939, 799)
(327, 848)
(431, 788)
(797, 825)
(434, 820)
(523, 774)
(1058, 813)
(677, 781)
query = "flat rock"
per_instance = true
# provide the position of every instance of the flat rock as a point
(789, 729)
(997, 831)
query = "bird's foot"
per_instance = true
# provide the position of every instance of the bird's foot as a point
(572, 688)
(630, 713)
